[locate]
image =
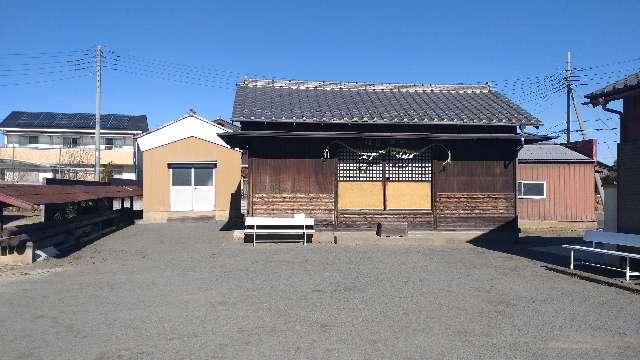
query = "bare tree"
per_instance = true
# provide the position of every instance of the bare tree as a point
(77, 164)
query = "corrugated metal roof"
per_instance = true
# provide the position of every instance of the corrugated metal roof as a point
(28, 196)
(333, 102)
(614, 90)
(549, 152)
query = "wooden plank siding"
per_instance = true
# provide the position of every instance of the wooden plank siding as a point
(283, 187)
(474, 194)
(629, 166)
(368, 219)
(570, 192)
(629, 187)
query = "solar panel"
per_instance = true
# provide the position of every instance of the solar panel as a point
(78, 121)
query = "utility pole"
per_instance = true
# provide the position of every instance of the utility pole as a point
(98, 95)
(568, 80)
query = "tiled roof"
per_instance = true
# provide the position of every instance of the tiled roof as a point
(226, 124)
(51, 120)
(549, 152)
(332, 102)
(612, 91)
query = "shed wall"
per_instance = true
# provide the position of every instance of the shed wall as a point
(156, 190)
(570, 192)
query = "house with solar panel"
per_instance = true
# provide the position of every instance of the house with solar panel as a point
(368, 156)
(40, 145)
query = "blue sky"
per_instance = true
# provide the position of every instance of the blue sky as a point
(401, 41)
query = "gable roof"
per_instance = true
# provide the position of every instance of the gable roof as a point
(333, 102)
(550, 152)
(190, 125)
(226, 124)
(80, 121)
(615, 90)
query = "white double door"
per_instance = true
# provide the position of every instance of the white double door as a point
(193, 187)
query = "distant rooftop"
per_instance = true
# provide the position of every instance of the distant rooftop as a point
(549, 152)
(614, 90)
(340, 102)
(52, 120)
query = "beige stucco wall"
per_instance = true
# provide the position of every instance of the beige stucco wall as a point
(67, 156)
(156, 181)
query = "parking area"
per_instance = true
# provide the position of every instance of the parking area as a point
(178, 291)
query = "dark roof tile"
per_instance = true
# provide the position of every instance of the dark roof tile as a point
(614, 90)
(309, 101)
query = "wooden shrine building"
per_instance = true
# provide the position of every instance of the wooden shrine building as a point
(353, 155)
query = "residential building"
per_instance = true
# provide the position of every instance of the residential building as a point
(555, 188)
(38, 145)
(628, 192)
(361, 156)
(189, 171)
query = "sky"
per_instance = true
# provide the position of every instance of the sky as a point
(163, 58)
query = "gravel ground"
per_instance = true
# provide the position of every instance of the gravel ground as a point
(187, 291)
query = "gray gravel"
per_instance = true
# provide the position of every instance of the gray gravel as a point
(178, 291)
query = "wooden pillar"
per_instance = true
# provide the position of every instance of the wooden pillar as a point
(384, 185)
(1, 220)
(335, 195)
(434, 192)
(250, 185)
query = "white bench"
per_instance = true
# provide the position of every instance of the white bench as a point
(605, 237)
(298, 224)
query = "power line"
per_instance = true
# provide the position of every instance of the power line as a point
(44, 81)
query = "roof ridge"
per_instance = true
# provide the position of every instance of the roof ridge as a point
(338, 85)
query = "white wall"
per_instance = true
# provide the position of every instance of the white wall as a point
(56, 140)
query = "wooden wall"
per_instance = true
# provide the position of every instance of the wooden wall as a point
(283, 187)
(629, 167)
(629, 187)
(474, 194)
(475, 191)
(570, 192)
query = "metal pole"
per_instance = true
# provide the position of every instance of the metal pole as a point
(568, 80)
(98, 95)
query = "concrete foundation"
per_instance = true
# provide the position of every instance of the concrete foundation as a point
(156, 217)
(556, 226)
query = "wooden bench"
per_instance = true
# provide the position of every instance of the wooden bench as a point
(604, 237)
(298, 224)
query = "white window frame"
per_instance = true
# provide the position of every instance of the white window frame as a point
(544, 188)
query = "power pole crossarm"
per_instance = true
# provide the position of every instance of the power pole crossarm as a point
(98, 95)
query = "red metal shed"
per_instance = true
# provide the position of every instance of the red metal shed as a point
(555, 184)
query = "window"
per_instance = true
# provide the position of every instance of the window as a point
(70, 142)
(33, 140)
(113, 142)
(181, 176)
(532, 189)
(202, 176)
